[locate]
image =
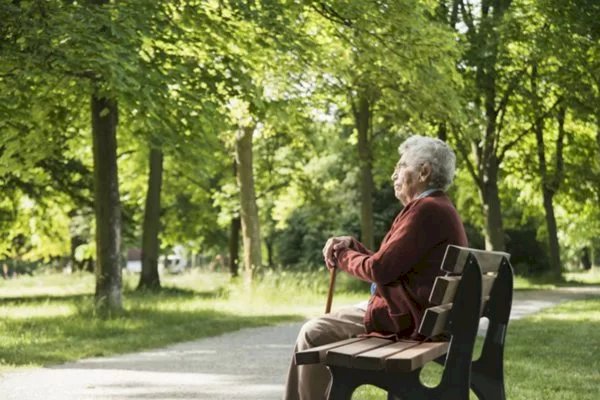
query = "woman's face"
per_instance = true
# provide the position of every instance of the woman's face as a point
(406, 181)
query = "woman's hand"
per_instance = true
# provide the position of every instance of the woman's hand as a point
(333, 246)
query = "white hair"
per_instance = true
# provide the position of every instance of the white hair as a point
(421, 149)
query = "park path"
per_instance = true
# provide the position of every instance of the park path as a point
(222, 367)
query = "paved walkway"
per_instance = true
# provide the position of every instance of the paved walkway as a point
(223, 367)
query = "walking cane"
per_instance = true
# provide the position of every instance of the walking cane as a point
(332, 272)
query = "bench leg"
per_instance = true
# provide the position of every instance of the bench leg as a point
(487, 374)
(486, 388)
(344, 382)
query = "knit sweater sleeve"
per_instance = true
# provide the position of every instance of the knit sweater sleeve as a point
(406, 243)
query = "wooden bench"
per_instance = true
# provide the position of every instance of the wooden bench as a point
(476, 284)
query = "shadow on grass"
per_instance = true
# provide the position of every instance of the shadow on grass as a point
(539, 281)
(51, 340)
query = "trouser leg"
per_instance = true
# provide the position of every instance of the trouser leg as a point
(311, 382)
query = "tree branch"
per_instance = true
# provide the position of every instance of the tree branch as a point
(560, 164)
(512, 143)
(331, 14)
(470, 167)
(271, 189)
(501, 110)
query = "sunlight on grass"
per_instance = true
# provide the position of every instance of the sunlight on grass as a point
(47, 284)
(36, 311)
(49, 318)
(525, 283)
(579, 311)
(591, 277)
(574, 278)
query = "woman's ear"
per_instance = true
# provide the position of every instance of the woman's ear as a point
(425, 172)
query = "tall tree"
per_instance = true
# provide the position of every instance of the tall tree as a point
(248, 208)
(490, 86)
(234, 237)
(387, 83)
(550, 178)
(362, 109)
(572, 30)
(104, 113)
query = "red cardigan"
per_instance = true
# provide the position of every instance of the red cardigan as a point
(406, 264)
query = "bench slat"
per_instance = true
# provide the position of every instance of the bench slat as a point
(375, 359)
(342, 356)
(316, 355)
(434, 320)
(444, 288)
(456, 257)
(415, 357)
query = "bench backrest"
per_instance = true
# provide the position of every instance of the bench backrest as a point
(437, 319)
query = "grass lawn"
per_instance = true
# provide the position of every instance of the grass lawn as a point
(49, 319)
(572, 278)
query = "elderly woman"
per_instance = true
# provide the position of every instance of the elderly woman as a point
(402, 271)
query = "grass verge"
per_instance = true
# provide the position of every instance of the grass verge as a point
(49, 319)
(571, 278)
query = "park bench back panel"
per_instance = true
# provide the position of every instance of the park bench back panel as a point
(435, 319)
(444, 288)
(456, 257)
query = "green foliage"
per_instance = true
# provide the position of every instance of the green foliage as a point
(297, 69)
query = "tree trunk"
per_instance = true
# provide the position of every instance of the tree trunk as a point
(553, 246)
(598, 151)
(362, 117)
(586, 260)
(234, 237)
(234, 246)
(549, 183)
(106, 205)
(149, 278)
(269, 248)
(248, 209)
(485, 171)
(76, 241)
(490, 164)
(492, 209)
(442, 131)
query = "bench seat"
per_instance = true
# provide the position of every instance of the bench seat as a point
(374, 354)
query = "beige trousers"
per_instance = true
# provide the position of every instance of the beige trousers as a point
(311, 382)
